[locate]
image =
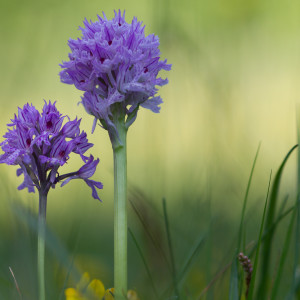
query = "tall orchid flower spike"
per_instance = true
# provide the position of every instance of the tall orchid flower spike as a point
(40, 144)
(117, 66)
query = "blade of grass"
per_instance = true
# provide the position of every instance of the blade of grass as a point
(150, 235)
(209, 246)
(253, 244)
(144, 261)
(267, 245)
(252, 283)
(296, 280)
(16, 282)
(283, 205)
(69, 269)
(213, 281)
(286, 244)
(242, 274)
(188, 263)
(233, 286)
(220, 273)
(297, 231)
(276, 223)
(51, 240)
(241, 228)
(173, 266)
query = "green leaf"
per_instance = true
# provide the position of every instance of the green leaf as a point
(144, 261)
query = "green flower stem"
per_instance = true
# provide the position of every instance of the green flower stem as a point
(120, 212)
(41, 245)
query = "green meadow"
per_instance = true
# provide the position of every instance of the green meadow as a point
(198, 172)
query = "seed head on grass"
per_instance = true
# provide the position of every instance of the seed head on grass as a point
(248, 269)
(40, 144)
(117, 67)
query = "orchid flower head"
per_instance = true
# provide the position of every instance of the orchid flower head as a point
(117, 67)
(40, 144)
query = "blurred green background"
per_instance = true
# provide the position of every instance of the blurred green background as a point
(234, 83)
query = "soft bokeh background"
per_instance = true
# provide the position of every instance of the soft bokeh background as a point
(234, 83)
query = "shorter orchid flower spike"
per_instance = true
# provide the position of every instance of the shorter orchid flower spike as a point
(40, 144)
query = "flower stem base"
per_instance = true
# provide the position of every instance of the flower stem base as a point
(120, 213)
(41, 245)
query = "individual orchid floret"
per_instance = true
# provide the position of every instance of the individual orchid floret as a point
(71, 129)
(117, 67)
(85, 172)
(40, 144)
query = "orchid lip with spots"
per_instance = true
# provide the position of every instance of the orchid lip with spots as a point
(40, 144)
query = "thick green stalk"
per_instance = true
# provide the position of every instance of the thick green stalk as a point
(120, 212)
(41, 245)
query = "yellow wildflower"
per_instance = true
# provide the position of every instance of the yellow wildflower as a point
(132, 295)
(94, 290)
(109, 294)
(86, 289)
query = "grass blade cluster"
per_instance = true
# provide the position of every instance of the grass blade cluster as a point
(174, 275)
(144, 262)
(295, 283)
(234, 280)
(283, 257)
(252, 284)
(270, 229)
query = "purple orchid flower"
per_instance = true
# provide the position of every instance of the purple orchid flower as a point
(117, 67)
(40, 145)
